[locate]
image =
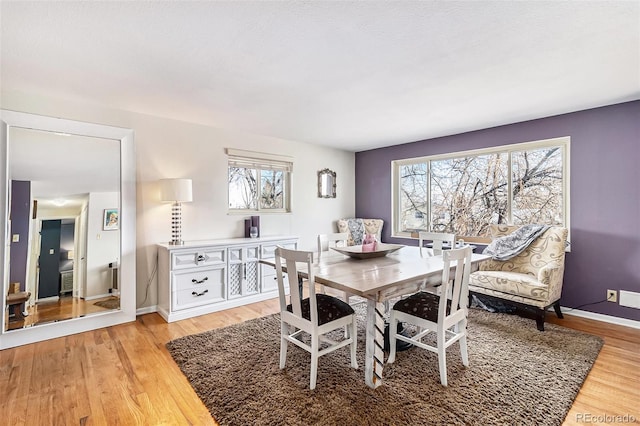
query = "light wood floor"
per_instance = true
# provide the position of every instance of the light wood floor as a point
(65, 307)
(124, 374)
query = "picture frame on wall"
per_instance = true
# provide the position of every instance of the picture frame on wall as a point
(111, 221)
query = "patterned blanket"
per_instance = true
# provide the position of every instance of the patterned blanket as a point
(504, 248)
(358, 228)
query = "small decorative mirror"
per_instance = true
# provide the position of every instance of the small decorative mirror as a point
(326, 184)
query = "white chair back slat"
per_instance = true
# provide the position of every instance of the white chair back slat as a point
(438, 240)
(326, 241)
(460, 282)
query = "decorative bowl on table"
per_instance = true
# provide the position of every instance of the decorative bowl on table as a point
(357, 252)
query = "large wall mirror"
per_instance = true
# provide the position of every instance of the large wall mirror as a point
(68, 198)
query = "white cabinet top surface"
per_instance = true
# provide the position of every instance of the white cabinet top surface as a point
(227, 242)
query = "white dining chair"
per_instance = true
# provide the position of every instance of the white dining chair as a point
(438, 239)
(315, 315)
(325, 243)
(446, 316)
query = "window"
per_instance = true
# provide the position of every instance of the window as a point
(463, 193)
(259, 181)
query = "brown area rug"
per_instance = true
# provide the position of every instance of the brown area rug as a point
(112, 303)
(517, 376)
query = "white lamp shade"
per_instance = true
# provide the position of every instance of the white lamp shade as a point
(176, 190)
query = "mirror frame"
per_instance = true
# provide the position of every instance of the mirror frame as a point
(127, 271)
(326, 192)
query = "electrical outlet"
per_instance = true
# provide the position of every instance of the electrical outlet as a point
(612, 296)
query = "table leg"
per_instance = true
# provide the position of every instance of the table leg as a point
(374, 358)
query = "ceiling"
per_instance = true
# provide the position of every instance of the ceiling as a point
(352, 75)
(62, 168)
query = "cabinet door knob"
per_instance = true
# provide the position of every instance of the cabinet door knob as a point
(200, 258)
(195, 293)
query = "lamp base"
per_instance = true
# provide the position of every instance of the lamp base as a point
(176, 225)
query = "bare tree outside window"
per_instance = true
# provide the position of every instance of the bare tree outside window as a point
(243, 188)
(413, 196)
(257, 189)
(467, 194)
(537, 186)
(259, 182)
(463, 195)
(272, 189)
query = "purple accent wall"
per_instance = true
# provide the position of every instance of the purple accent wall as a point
(605, 194)
(20, 210)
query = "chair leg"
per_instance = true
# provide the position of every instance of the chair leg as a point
(315, 342)
(556, 307)
(284, 343)
(540, 319)
(345, 296)
(354, 343)
(463, 343)
(442, 357)
(393, 326)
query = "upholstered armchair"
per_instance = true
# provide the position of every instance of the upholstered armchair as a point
(358, 228)
(532, 279)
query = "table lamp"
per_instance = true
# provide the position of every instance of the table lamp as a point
(177, 191)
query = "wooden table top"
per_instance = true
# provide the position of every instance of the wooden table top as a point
(378, 278)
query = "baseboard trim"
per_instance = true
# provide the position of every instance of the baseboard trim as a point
(98, 296)
(146, 310)
(565, 310)
(601, 317)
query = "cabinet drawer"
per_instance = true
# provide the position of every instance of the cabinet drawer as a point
(192, 258)
(197, 279)
(268, 251)
(243, 254)
(189, 298)
(198, 287)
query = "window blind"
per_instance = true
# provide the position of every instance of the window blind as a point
(259, 160)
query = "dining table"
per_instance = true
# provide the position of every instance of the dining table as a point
(402, 270)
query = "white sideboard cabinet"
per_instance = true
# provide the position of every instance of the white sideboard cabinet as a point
(200, 277)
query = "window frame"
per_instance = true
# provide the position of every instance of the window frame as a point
(563, 142)
(260, 161)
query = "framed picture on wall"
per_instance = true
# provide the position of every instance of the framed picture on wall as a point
(111, 220)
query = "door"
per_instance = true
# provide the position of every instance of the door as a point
(49, 260)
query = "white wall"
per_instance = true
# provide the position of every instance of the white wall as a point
(174, 149)
(103, 247)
